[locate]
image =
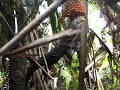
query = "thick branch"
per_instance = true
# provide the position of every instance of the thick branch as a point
(32, 25)
(45, 40)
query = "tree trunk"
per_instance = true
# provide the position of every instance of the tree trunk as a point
(17, 74)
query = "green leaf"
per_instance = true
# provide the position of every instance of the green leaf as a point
(104, 64)
(67, 76)
(54, 22)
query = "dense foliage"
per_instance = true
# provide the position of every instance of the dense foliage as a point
(59, 55)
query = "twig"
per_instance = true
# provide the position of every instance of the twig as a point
(46, 65)
(7, 23)
(35, 61)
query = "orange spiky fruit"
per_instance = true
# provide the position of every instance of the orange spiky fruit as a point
(74, 8)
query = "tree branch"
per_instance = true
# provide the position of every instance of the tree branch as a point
(45, 40)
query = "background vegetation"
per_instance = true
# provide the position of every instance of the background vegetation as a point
(43, 46)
